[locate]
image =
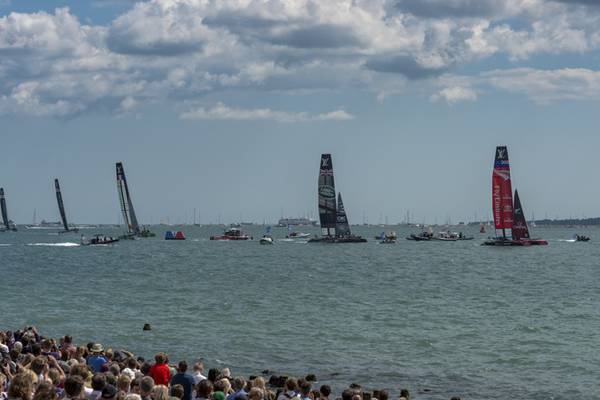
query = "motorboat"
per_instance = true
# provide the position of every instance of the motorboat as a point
(98, 240)
(266, 240)
(297, 235)
(231, 234)
(582, 238)
(420, 237)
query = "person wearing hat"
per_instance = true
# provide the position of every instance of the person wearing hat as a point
(96, 360)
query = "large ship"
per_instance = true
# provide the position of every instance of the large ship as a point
(283, 222)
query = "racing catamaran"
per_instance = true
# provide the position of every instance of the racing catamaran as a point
(332, 215)
(133, 228)
(61, 209)
(8, 224)
(508, 214)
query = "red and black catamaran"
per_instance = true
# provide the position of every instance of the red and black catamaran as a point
(508, 215)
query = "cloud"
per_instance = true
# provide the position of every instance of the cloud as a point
(455, 94)
(547, 86)
(224, 113)
(177, 51)
(405, 65)
(453, 8)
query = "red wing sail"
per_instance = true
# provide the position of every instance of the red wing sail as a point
(502, 202)
(519, 228)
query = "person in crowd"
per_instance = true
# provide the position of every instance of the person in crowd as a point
(98, 383)
(74, 388)
(177, 391)
(160, 370)
(132, 368)
(256, 394)
(204, 389)
(160, 392)
(305, 389)
(21, 387)
(109, 392)
(238, 386)
(198, 371)
(146, 386)
(124, 384)
(184, 379)
(45, 391)
(324, 392)
(96, 360)
(290, 390)
(404, 393)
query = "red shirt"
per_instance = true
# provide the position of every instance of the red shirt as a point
(160, 373)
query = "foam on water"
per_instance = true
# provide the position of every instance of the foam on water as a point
(65, 244)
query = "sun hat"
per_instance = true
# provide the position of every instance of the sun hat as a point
(96, 348)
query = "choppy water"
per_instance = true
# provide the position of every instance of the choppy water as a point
(438, 318)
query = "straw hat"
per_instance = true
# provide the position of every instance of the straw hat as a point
(97, 348)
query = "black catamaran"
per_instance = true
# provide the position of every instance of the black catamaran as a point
(8, 224)
(332, 215)
(129, 217)
(61, 209)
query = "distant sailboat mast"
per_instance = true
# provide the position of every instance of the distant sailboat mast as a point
(125, 200)
(327, 204)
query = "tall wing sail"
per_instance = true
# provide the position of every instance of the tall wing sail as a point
(3, 207)
(125, 200)
(61, 206)
(502, 201)
(327, 206)
(342, 228)
(519, 228)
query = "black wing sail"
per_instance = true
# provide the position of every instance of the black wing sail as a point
(61, 206)
(125, 200)
(342, 228)
(519, 229)
(3, 207)
(327, 206)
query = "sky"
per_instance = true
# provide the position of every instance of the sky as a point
(225, 106)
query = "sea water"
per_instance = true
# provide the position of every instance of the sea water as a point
(438, 318)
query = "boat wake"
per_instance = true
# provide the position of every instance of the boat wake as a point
(566, 240)
(5, 244)
(65, 244)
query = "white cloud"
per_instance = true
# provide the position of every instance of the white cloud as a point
(179, 50)
(222, 112)
(455, 94)
(547, 86)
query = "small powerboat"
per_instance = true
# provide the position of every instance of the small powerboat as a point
(389, 238)
(266, 240)
(423, 236)
(231, 234)
(297, 235)
(98, 240)
(582, 238)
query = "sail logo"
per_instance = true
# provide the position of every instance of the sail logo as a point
(327, 192)
(325, 162)
(504, 174)
(501, 153)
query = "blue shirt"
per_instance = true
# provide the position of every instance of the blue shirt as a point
(96, 363)
(235, 395)
(185, 380)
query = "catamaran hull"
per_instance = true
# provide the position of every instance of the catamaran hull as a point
(357, 239)
(523, 242)
(68, 231)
